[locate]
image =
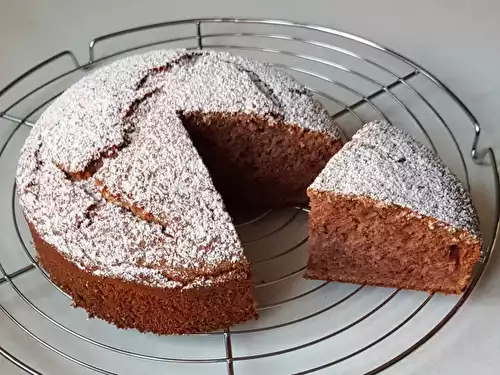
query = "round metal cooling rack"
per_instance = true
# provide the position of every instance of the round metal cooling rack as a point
(304, 326)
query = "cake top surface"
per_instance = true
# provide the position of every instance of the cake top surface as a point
(386, 164)
(90, 111)
(109, 175)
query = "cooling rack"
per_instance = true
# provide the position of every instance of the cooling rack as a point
(304, 326)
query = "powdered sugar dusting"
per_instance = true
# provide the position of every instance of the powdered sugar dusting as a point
(384, 163)
(156, 167)
(90, 111)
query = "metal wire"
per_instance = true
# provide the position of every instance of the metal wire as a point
(275, 231)
(229, 352)
(339, 84)
(373, 343)
(20, 364)
(478, 156)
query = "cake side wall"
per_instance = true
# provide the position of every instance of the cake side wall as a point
(149, 309)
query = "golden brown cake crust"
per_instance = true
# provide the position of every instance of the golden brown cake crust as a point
(145, 308)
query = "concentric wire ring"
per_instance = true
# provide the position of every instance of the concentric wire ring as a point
(347, 109)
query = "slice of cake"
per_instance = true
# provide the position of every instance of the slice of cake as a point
(386, 211)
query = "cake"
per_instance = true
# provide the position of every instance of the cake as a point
(386, 211)
(122, 181)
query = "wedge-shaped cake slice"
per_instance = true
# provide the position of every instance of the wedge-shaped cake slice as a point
(386, 211)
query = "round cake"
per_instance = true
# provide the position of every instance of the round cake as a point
(123, 177)
(386, 211)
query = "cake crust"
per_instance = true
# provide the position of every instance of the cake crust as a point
(164, 311)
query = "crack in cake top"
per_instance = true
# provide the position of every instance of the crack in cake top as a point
(121, 125)
(90, 112)
(386, 164)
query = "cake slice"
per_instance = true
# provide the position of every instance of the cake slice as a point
(386, 211)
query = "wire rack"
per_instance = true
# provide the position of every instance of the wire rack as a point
(305, 326)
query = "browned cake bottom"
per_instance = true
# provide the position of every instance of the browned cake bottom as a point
(356, 241)
(254, 163)
(145, 308)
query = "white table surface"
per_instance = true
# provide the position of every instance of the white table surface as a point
(458, 41)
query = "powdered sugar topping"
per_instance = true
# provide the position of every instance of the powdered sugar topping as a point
(384, 163)
(129, 110)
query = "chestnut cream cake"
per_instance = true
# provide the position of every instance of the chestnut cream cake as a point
(123, 177)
